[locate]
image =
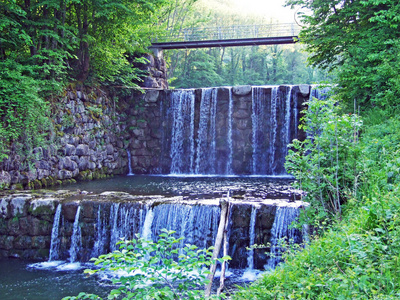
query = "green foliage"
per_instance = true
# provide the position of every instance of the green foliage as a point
(358, 257)
(46, 43)
(22, 110)
(155, 270)
(325, 163)
(360, 40)
(257, 65)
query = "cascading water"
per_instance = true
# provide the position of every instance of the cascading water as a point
(148, 221)
(196, 223)
(229, 170)
(115, 228)
(76, 238)
(215, 131)
(55, 241)
(205, 154)
(101, 242)
(273, 128)
(250, 258)
(182, 149)
(264, 130)
(130, 172)
(281, 232)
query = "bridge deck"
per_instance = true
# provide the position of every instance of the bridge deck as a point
(226, 43)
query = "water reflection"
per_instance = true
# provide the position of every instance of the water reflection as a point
(192, 186)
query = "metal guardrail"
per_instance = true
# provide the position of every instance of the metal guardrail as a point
(229, 32)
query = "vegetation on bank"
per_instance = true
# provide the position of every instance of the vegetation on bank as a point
(46, 45)
(351, 172)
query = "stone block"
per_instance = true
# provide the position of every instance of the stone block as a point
(151, 96)
(241, 90)
(6, 242)
(82, 150)
(69, 149)
(109, 149)
(23, 242)
(304, 89)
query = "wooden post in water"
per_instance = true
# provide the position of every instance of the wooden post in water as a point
(218, 242)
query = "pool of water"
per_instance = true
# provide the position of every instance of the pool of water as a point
(28, 280)
(191, 186)
(20, 281)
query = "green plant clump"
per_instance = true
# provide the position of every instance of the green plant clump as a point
(155, 270)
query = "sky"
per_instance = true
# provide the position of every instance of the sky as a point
(266, 8)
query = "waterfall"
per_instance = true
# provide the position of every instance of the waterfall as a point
(218, 131)
(130, 172)
(76, 238)
(114, 223)
(198, 224)
(206, 135)
(281, 232)
(202, 154)
(230, 143)
(288, 111)
(55, 241)
(182, 144)
(273, 126)
(250, 258)
(264, 130)
(148, 222)
(101, 236)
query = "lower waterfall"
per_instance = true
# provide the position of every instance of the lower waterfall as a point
(197, 223)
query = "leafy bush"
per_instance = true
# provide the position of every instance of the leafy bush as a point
(325, 163)
(358, 257)
(155, 270)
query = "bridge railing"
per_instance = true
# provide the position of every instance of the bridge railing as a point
(229, 32)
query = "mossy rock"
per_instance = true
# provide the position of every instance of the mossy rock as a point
(44, 182)
(37, 184)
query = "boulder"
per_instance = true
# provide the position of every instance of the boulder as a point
(82, 150)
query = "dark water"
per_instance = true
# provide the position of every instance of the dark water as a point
(18, 281)
(194, 186)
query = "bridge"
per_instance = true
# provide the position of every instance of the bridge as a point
(227, 36)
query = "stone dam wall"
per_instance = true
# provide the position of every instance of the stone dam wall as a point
(93, 132)
(28, 229)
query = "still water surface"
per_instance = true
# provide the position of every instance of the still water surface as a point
(192, 186)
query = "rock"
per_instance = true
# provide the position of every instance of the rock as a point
(64, 174)
(5, 179)
(241, 114)
(109, 149)
(150, 82)
(82, 150)
(304, 89)
(83, 163)
(241, 90)
(151, 96)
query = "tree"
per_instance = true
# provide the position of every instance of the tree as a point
(361, 40)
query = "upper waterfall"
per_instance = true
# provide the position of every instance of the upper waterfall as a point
(229, 130)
